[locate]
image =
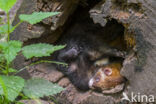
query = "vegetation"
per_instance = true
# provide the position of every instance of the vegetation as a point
(14, 88)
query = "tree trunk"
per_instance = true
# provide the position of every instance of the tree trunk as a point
(138, 18)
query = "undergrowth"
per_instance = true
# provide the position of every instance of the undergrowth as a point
(13, 88)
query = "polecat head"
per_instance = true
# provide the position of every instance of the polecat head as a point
(107, 77)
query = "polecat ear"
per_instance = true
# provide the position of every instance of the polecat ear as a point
(69, 54)
(107, 71)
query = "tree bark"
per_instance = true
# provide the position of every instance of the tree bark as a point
(138, 17)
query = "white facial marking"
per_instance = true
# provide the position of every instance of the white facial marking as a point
(102, 62)
(91, 82)
(103, 76)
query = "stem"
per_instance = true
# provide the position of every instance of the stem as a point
(18, 24)
(46, 61)
(54, 100)
(8, 22)
(4, 90)
(42, 61)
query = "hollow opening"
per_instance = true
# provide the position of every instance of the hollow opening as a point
(112, 33)
(80, 23)
(85, 33)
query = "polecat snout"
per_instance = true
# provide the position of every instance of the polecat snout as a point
(107, 77)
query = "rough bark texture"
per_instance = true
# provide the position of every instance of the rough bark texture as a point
(51, 27)
(139, 19)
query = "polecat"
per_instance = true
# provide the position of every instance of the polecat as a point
(85, 45)
(107, 77)
(82, 55)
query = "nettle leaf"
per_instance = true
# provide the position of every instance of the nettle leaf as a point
(4, 29)
(13, 86)
(10, 49)
(36, 87)
(36, 16)
(6, 5)
(40, 50)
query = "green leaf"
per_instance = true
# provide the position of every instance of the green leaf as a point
(10, 49)
(36, 16)
(4, 29)
(6, 5)
(13, 86)
(10, 70)
(35, 88)
(40, 50)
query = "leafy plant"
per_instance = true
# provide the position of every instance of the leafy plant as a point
(6, 5)
(36, 88)
(39, 50)
(12, 86)
(10, 49)
(12, 89)
(32, 18)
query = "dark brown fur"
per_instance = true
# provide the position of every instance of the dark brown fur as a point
(86, 43)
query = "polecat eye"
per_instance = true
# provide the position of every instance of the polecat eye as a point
(108, 71)
(97, 79)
